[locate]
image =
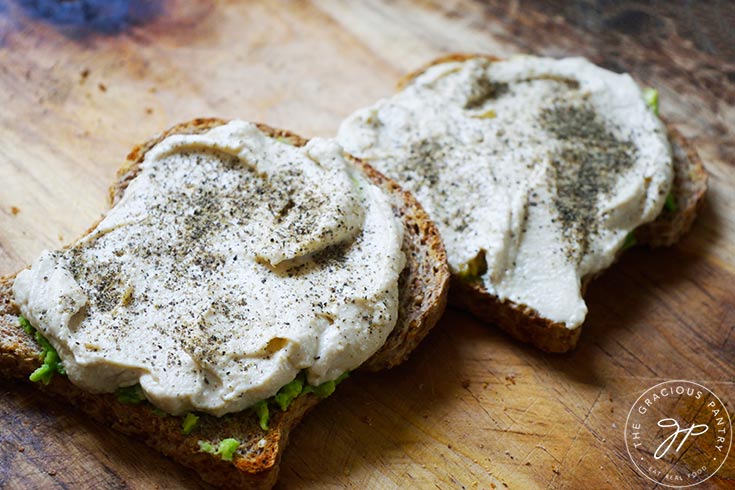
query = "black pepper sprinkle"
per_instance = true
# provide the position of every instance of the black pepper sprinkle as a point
(584, 170)
(177, 245)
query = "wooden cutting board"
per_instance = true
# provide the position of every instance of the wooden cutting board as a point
(81, 82)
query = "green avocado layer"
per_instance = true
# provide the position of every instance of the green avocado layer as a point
(133, 395)
(130, 395)
(189, 423)
(51, 362)
(650, 95)
(226, 448)
(289, 392)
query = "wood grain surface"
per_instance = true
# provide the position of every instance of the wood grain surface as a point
(83, 81)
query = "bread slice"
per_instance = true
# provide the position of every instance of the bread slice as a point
(523, 322)
(423, 296)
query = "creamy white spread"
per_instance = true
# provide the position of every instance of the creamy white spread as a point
(534, 169)
(232, 262)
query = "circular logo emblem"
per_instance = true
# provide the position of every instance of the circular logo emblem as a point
(678, 433)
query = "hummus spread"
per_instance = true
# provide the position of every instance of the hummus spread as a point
(232, 262)
(534, 169)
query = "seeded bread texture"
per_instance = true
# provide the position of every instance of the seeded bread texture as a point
(523, 322)
(423, 297)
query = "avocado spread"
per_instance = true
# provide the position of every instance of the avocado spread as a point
(51, 362)
(225, 449)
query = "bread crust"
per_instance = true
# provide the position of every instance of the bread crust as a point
(525, 323)
(423, 287)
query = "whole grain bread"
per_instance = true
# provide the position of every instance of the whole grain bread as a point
(423, 296)
(523, 322)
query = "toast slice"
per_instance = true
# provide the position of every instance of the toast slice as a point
(523, 322)
(423, 296)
